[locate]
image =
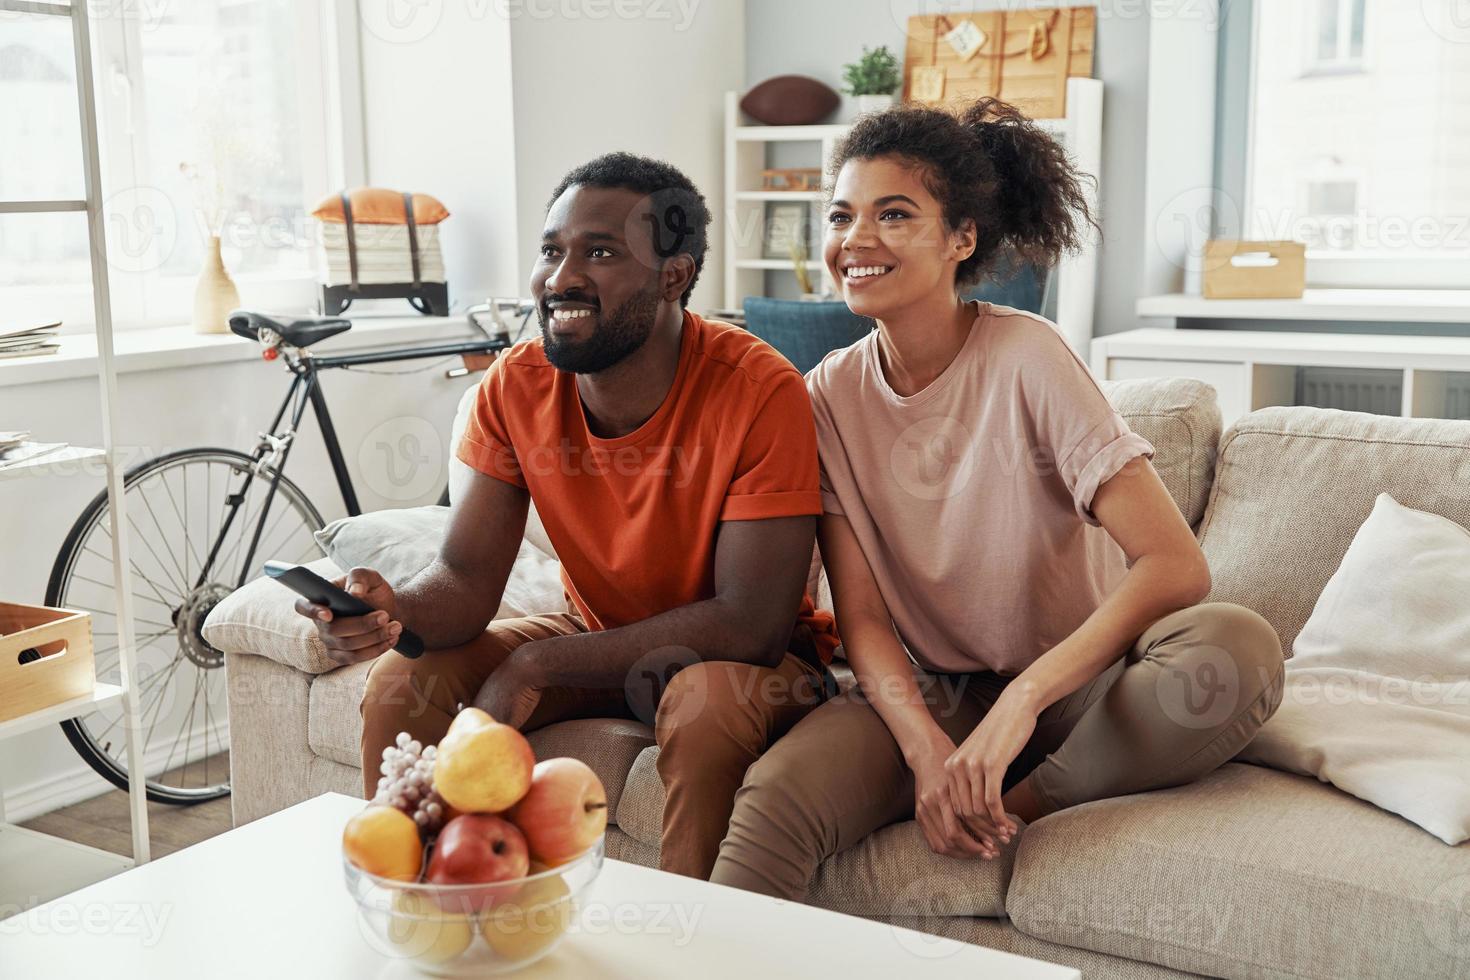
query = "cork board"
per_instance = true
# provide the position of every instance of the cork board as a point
(1025, 58)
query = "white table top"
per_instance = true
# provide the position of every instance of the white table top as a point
(267, 901)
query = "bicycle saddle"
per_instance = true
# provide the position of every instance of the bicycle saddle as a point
(300, 331)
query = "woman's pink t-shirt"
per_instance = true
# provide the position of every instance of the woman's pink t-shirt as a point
(972, 499)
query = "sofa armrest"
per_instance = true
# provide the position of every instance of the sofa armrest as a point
(260, 618)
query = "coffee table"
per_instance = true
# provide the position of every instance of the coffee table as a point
(266, 901)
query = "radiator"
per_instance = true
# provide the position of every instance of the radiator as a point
(1373, 390)
(1351, 389)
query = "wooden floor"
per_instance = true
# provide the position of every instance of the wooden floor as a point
(103, 820)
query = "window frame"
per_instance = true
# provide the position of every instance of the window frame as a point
(331, 107)
(1235, 139)
(1342, 61)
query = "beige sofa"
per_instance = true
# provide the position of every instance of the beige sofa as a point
(1248, 873)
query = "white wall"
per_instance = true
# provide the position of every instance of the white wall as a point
(816, 37)
(438, 119)
(652, 85)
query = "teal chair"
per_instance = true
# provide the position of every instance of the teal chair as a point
(805, 331)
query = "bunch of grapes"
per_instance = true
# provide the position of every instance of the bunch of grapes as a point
(407, 783)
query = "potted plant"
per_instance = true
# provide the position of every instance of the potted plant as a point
(873, 79)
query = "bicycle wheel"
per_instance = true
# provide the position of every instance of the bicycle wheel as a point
(176, 508)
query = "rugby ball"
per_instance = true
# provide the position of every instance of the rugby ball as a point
(789, 100)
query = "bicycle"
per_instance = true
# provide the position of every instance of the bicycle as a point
(179, 577)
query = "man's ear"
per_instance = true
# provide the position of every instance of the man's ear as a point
(676, 275)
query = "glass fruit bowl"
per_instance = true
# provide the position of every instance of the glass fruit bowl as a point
(473, 930)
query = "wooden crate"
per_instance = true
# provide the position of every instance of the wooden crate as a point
(1254, 270)
(63, 637)
(1026, 59)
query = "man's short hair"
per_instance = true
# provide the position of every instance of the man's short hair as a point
(679, 212)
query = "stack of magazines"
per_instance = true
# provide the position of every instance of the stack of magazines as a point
(24, 341)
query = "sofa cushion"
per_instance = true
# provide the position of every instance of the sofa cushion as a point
(640, 813)
(260, 618)
(1293, 485)
(891, 872)
(608, 745)
(1180, 417)
(333, 719)
(1247, 872)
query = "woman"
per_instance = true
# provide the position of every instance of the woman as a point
(988, 510)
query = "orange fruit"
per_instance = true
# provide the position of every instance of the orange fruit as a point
(384, 841)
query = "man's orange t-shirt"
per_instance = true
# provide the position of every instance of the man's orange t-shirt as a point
(634, 519)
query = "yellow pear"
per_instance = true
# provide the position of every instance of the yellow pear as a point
(483, 768)
(532, 921)
(420, 930)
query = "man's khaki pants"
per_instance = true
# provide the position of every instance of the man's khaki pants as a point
(713, 719)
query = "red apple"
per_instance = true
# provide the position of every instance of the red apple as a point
(478, 849)
(564, 811)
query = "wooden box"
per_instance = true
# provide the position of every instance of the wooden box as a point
(1254, 270)
(63, 638)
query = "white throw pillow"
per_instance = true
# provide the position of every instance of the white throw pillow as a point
(1377, 698)
(398, 543)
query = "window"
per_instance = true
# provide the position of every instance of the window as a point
(211, 119)
(1338, 38)
(1370, 168)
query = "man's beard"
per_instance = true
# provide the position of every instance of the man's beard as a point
(619, 333)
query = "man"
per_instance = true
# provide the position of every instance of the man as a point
(673, 462)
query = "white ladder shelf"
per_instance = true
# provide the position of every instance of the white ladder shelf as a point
(37, 867)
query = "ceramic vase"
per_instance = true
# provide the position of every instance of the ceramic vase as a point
(215, 297)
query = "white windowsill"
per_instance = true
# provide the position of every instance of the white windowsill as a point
(1396, 305)
(176, 347)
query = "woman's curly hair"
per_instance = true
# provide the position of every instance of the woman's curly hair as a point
(988, 163)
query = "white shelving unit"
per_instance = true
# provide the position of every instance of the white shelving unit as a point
(745, 157)
(1332, 305)
(33, 866)
(1252, 369)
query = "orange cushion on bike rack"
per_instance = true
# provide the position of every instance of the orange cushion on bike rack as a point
(380, 206)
